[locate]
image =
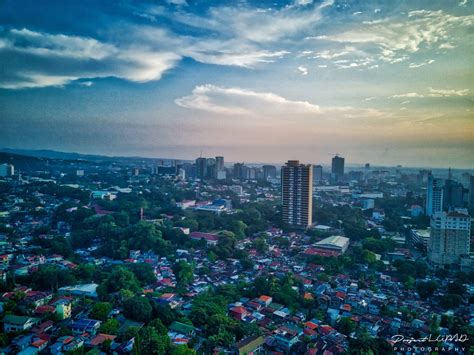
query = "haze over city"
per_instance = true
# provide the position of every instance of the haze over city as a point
(259, 81)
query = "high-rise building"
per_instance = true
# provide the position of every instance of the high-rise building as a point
(238, 170)
(337, 168)
(201, 168)
(219, 164)
(449, 237)
(297, 194)
(434, 195)
(7, 170)
(471, 194)
(211, 171)
(317, 174)
(269, 172)
(250, 173)
(423, 176)
(453, 195)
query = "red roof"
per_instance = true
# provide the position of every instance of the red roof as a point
(38, 343)
(44, 309)
(321, 252)
(99, 339)
(310, 325)
(206, 236)
(326, 329)
(239, 310)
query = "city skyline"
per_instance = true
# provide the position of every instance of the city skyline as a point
(376, 82)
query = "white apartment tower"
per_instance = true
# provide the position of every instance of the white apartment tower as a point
(7, 170)
(297, 194)
(449, 237)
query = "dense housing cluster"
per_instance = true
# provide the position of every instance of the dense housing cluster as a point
(146, 256)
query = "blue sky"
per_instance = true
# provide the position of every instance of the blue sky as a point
(380, 81)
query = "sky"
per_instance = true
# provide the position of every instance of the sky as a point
(386, 82)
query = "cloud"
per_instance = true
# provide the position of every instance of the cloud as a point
(409, 94)
(245, 103)
(234, 36)
(433, 93)
(447, 92)
(237, 101)
(446, 46)
(303, 2)
(43, 59)
(303, 70)
(418, 65)
(249, 24)
(177, 2)
(396, 40)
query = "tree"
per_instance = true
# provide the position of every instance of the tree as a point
(51, 277)
(246, 263)
(130, 333)
(101, 310)
(182, 350)
(426, 289)
(184, 273)
(346, 326)
(143, 272)
(238, 228)
(119, 279)
(456, 288)
(144, 236)
(260, 244)
(225, 245)
(450, 301)
(148, 341)
(164, 313)
(159, 326)
(85, 272)
(111, 326)
(138, 308)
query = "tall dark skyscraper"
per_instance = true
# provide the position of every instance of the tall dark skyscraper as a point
(297, 194)
(471, 195)
(453, 195)
(434, 195)
(337, 168)
(219, 164)
(269, 172)
(238, 170)
(201, 168)
(317, 173)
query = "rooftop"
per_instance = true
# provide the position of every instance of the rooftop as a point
(335, 240)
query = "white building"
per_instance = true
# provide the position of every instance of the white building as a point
(449, 237)
(7, 170)
(367, 204)
(237, 189)
(420, 237)
(185, 204)
(336, 243)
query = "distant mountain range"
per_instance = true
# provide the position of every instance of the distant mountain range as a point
(52, 154)
(9, 155)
